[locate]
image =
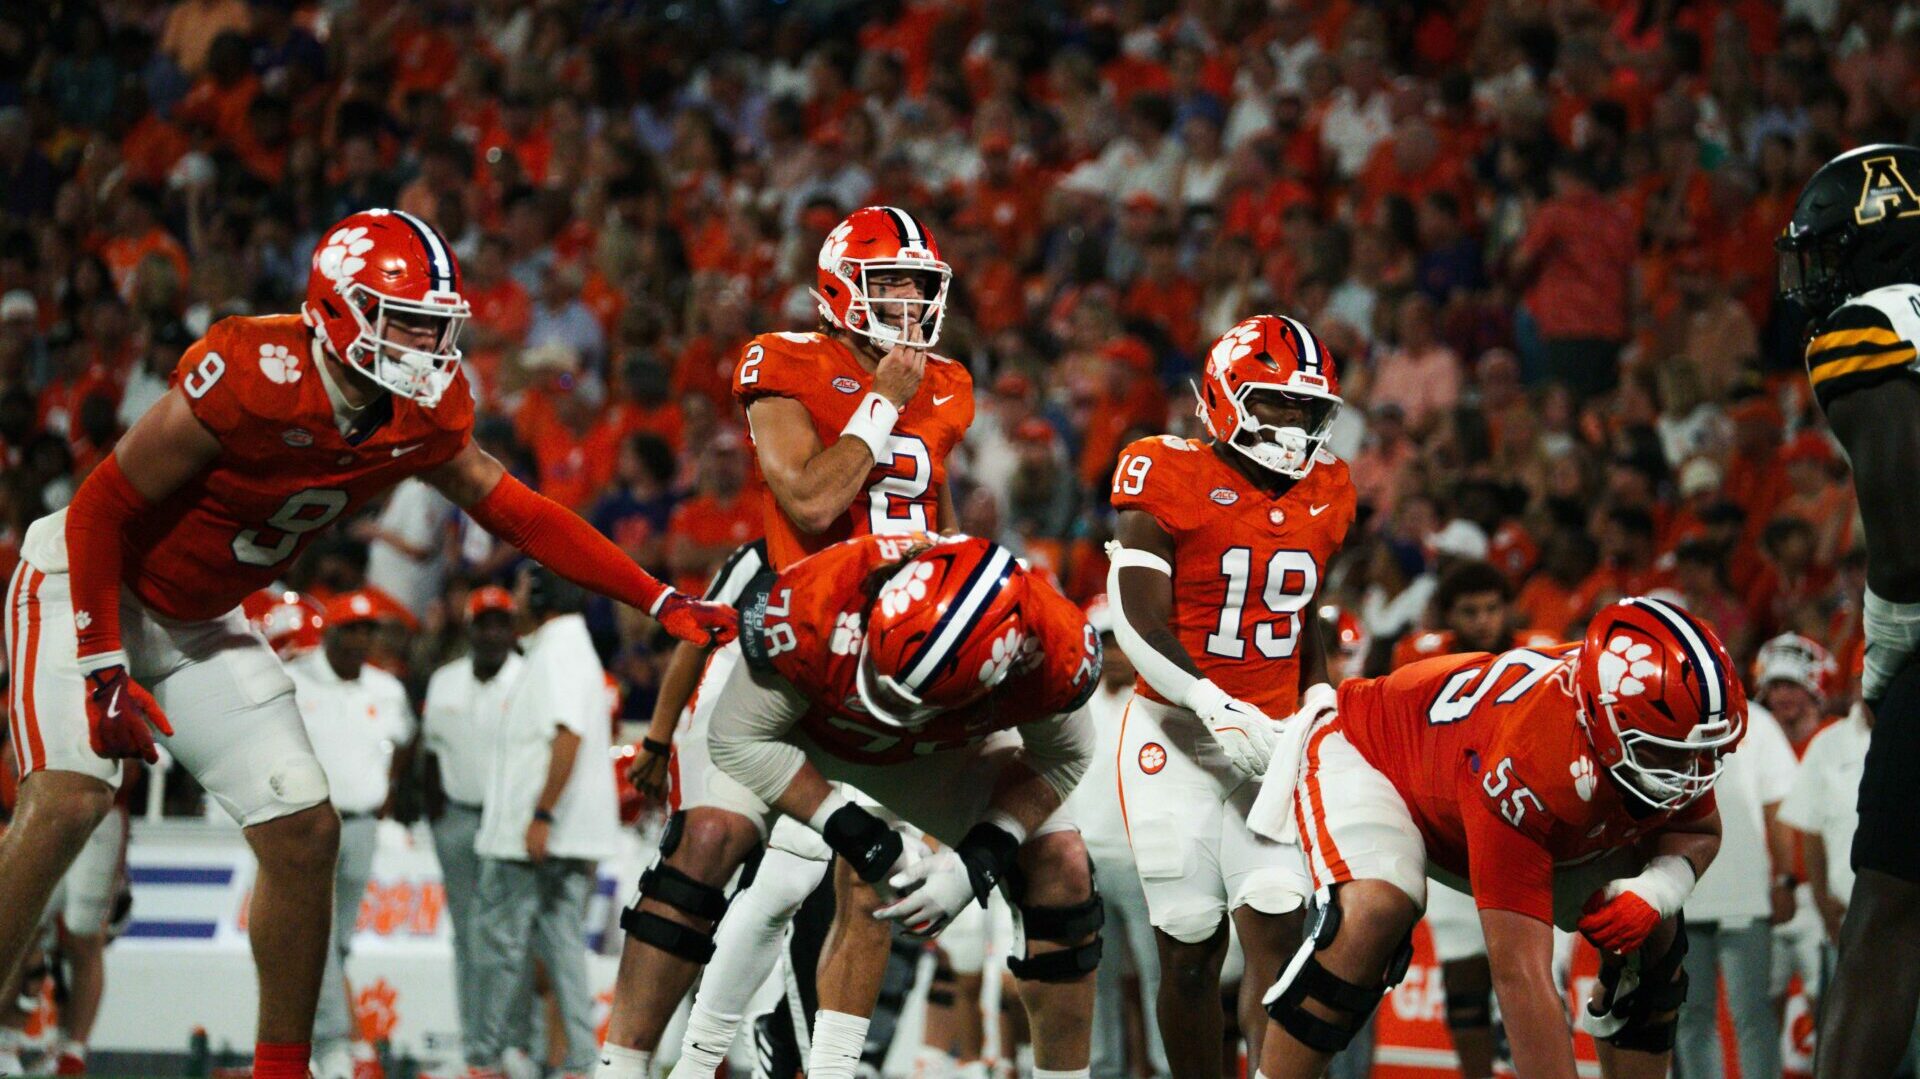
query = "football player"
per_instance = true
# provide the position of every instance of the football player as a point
(125, 606)
(943, 679)
(1850, 257)
(851, 428)
(1220, 548)
(1567, 785)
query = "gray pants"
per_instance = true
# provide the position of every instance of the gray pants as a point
(460, 874)
(527, 910)
(1130, 947)
(333, 1022)
(1745, 956)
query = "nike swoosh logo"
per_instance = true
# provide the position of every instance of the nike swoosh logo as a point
(400, 450)
(113, 706)
(938, 400)
(1318, 510)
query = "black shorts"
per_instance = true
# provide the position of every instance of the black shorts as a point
(1888, 839)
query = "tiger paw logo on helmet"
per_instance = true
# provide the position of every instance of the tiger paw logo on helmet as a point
(905, 588)
(279, 365)
(1005, 651)
(340, 259)
(1624, 665)
(1236, 343)
(1584, 778)
(835, 245)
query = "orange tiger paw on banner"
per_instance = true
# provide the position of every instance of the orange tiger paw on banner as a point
(376, 1011)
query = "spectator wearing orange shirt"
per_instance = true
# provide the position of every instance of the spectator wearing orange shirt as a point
(218, 102)
(1005, 200)
(1815, 497)
(1164, 296)
(719, 517)
(1548, 598)
(1627, 565)
(1127, 396)
(1421, 375)
(137, 234)
(501, 313)
(1575, 263)
(1755, 480)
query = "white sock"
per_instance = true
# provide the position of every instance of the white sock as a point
(932, 1063)
(838, 1040)
(708, 1036)
(1077, 1073)
(973, 1069)
(619, 1062)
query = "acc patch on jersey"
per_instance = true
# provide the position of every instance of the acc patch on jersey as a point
(846, 385)
(1225, 496)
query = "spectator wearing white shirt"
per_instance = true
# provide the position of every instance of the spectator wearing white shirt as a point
(1822, 808)
(550, 814)
(148, 381)
(466, 703)
(1358, 118)
(356, 716)
(407, 548)
(1730, 915)
(1294, 44)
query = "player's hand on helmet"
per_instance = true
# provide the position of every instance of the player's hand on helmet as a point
(1243, 731)
(897, 376)
(119, 711)
(697, 621)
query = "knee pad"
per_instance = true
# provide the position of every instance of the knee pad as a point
(1068, 925)
(665, 884)
(1469, 1010)
(298, 783)
(1644, 1005)
(1305, 979)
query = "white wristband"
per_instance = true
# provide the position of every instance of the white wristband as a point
(828, 806)
(872, 422)
(100, 661)
(1665, 884)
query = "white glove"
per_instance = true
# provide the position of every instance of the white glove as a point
(1245, 732)
(933, 891)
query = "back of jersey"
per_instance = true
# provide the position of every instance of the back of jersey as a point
(901, 493)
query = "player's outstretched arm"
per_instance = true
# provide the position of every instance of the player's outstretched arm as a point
(1140, 589)
(1520, 951)
(164, 449)
(1878, 427)
(558, 538)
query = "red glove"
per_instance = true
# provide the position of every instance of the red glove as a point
(696, 621)
(118, 711)
(1620, 924)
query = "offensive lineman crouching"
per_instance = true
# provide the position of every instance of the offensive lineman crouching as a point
(1569, 785)
(945, 681)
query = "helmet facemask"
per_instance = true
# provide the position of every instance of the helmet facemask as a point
(883, 319)
(1286, 449)
(401, 365)
(1812, 272)
(1665, 773)
(887, 700)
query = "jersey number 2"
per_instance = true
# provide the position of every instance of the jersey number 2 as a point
(1292, 578)
(909, 472)
(298, 515)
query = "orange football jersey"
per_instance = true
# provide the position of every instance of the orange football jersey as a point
(810, 635)
(284, 471)
(1245, 565)
(1490, 758)
(1443, 642)
(901, 494)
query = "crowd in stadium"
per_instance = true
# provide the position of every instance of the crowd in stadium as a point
(1537, 239)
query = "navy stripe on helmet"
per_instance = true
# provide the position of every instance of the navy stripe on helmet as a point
(439, 261)
(910, 232)
(961, 617)
(1309, 351)
(1694, 639)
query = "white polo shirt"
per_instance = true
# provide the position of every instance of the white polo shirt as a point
(354, 726)
(1094, 805)
(1736, 888)
(1825, 798)
(461, 724)
(418, 515)
(561, 685)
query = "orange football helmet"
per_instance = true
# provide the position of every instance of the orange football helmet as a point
(1270, 354)
(880, 239)
(379, 272)
(946, 628)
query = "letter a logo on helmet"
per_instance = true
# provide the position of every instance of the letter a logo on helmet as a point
(1884, 191)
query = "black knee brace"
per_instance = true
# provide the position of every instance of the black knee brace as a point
(1888, 839)
(1061, 925)
(1469, 1009)
(1649, 1011)
(1305, 979)
(665, 884)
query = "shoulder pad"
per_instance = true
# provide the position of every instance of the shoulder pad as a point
(1866, 341)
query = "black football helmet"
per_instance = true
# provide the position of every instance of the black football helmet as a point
(1855, 228)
